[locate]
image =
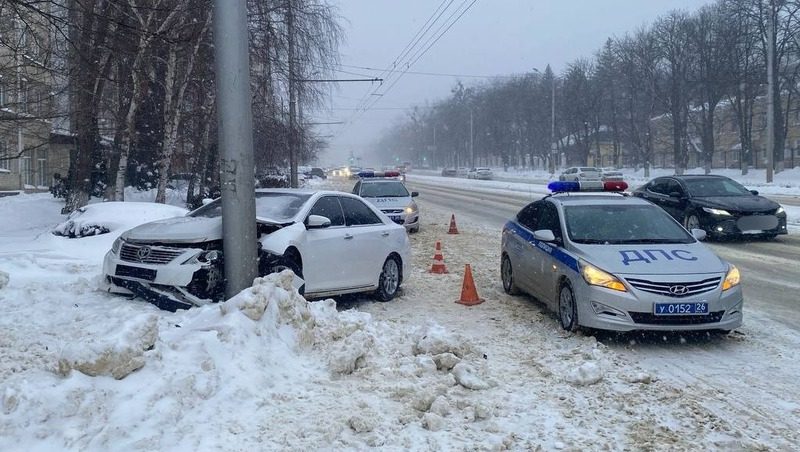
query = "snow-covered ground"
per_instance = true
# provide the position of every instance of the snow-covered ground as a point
(84, 370)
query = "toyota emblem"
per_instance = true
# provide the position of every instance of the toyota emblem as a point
(143, 253)
(678, 290)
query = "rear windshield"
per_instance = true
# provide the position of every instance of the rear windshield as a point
(622, 224)
(278, 207)
(715, 187)
(390, 189)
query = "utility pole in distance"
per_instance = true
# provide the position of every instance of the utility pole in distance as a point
(770, 146)
(235, 123)
(293, 179)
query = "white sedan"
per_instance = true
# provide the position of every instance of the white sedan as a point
(334, 241)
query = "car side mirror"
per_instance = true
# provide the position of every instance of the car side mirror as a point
(545, 235)
(414, 194)
(755, 192)
(699, 234)
(317, 222)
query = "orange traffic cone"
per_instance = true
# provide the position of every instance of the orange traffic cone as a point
(453, 228)
(469, 294)
(438, 266)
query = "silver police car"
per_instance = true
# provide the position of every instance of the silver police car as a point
(388, 193)
(615, 262)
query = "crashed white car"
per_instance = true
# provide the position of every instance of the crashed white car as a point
(335, 242)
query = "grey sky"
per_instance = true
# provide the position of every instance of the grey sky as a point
(495, 37)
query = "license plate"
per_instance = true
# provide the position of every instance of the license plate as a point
(696, 308)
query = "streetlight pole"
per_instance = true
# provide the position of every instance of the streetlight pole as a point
(553, 149)
(770, 147)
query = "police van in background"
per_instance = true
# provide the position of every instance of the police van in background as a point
(384, 190)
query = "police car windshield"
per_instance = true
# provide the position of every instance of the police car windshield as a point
(708, 187)
(384, 189)
(277, 207)
(622, 224)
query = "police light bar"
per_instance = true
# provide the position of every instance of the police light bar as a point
(566, 187)
(379, 174)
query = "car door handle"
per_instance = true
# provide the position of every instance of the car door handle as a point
(348, 236)
(385, 234)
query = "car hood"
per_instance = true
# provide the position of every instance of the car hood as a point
(177, 230)
(390, 203)
(745, 203)
(673, 259)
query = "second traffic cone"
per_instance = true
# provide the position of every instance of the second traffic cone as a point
(469, 294)
(438, 266)
(453, 228)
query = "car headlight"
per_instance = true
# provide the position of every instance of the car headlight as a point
(117, 246)
(732, 278)
(780, 210)
(411, 208)
(718, 212)
(597, 277)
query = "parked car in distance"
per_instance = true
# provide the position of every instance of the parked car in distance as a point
(581, 173)
(462, 172)
(615, 262)
(480, 173)
(449, 172)
(611, 174)
(316, 172)
(177, 263)
(716, 204)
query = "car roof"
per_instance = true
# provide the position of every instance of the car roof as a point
(588, 198)
(699, 176)
(379, 180)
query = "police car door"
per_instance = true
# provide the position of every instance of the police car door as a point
(550, 267)
(527, 262)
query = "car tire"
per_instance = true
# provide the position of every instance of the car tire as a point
(507, 276)
(389, 280)
(287, 262)
(567, 308)
(691, 221)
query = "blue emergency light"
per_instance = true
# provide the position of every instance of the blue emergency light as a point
(379, 174)
(573, 186)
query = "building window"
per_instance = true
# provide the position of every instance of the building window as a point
(4, 155)
(43, 179)
(3, 93)
(25, 170)
(22, 97)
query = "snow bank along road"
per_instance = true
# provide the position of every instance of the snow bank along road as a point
(746, 379)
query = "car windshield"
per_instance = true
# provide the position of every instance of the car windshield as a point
(716, 186)
(389, 189)
(278, 207)
(622, 224)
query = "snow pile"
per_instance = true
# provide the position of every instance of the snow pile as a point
(102, 218)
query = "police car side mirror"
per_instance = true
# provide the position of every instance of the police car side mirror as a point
(699, 234)
(414, 194)
(545, 235)
(317, 222)
(755, 192)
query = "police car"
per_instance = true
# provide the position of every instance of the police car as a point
(609, 261)
(385, 191)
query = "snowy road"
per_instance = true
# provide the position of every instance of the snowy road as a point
(747, 378)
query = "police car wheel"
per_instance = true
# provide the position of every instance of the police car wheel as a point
(389, 281)
(507, 275)
(567, 308)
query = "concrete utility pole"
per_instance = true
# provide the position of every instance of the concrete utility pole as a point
(770, 147)
(471, 148)
(293, 179)
(235, 123)
(554, 149)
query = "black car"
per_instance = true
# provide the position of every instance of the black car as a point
(717, 204)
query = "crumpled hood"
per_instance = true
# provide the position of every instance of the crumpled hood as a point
(692, 258)
(739, 203)
(177, 230)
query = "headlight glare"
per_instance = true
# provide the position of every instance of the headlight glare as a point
(718, 212)
(411, 208)
(597, 277)
(780, 210)
(732, 279)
